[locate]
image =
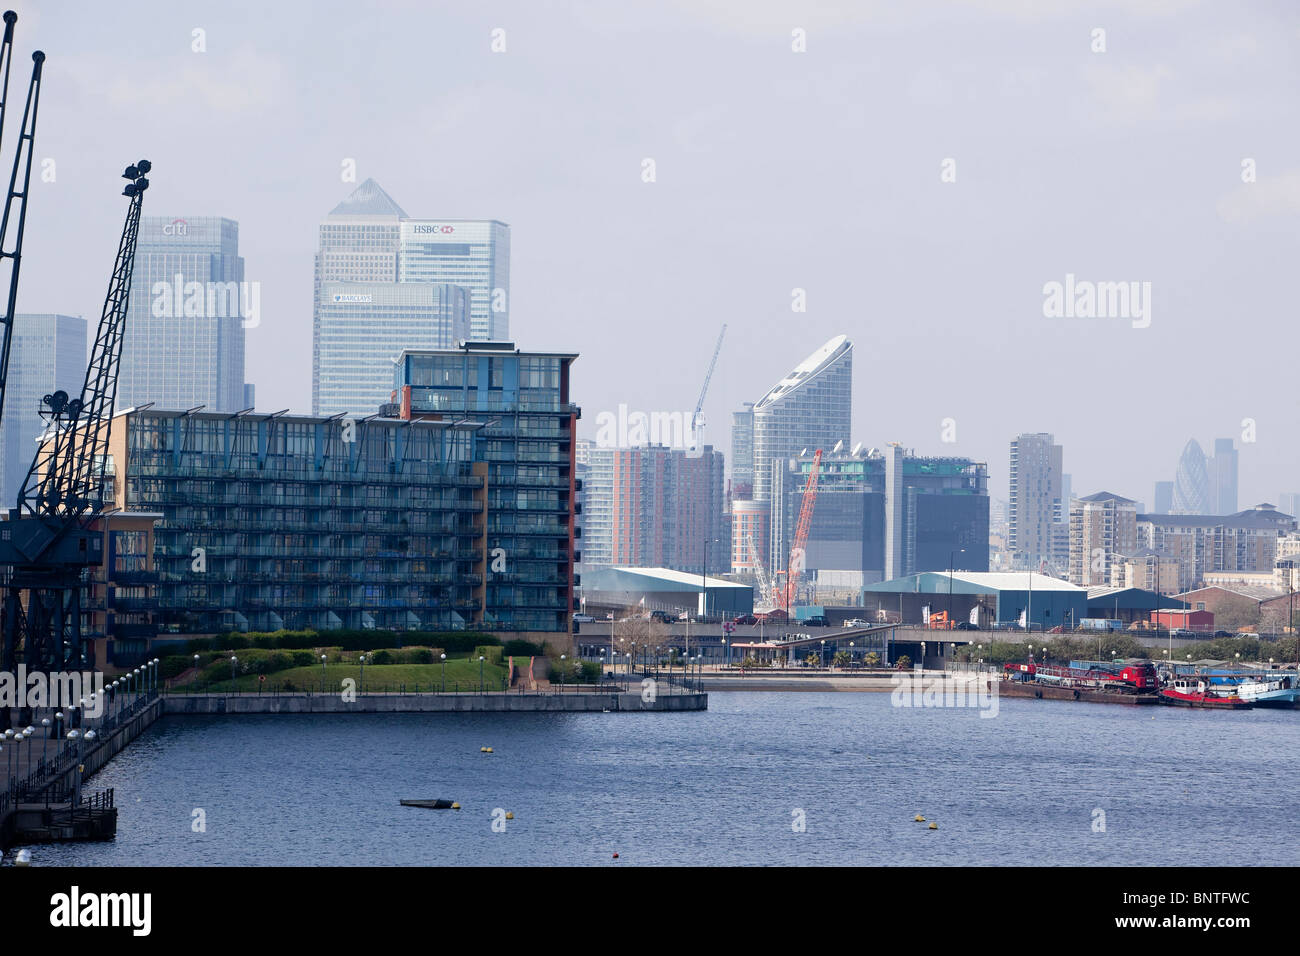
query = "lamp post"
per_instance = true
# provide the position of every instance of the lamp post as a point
(444, 673)
(45, 740)
(480, 673)
(362, 659)
(196, 669)
(322, 673)
(562, 659)
(74, 738)
(951, 556)
(234, 664)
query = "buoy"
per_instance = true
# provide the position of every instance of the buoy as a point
(455, 806)
(24, 858)
(509, 815)
(934, 826)
(616, 856)
(919, 818)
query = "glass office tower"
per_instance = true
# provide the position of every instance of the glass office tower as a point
(470, 253)
(47, 352)
(184, 340)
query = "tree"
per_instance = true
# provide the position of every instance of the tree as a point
(872, 659)
(639, 636)
(812, 660)
(842, 659)
(904, 661)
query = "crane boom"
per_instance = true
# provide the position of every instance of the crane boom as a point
(798, 550)
(67, 474)
(699, 405)
(17, 197)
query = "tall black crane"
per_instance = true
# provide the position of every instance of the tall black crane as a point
(52, 540)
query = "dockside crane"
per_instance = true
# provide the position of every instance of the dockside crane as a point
(52, 539)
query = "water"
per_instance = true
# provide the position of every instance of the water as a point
(721, 787)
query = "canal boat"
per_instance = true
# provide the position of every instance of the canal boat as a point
(1200, 691)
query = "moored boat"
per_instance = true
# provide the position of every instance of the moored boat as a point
(1201, 692)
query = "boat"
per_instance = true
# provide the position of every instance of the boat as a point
(1269, 690)
(428, 804)
(1201, 692)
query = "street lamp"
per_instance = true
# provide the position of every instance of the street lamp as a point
(444, 673)
(45, 740)
(322, 673)
(234, 663)
(951, 556)
(362, 659)
(480, 673)
(75, 738)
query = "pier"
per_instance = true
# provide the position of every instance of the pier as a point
(45, 798)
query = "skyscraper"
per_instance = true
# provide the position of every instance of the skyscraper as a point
(470, 253)
(742, 452)
(809, 408)
(1223, 476)
(48, 352)
(385, 282)
(184, 339)
(1192, 493)
(1164, 497)
(1036, 497)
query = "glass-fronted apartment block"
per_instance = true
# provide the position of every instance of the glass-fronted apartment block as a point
(527, 443)
(930, 510)
(362, 327)
(293, 521)
(184, 339)
(470, 253)
(1038, 515)
(47, 352)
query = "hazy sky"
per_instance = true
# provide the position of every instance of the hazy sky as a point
(775, 170)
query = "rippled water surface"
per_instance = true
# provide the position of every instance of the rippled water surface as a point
(720, 787)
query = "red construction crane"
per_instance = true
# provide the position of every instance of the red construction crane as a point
(798, 550)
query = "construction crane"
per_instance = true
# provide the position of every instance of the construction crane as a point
(697, 417)
(787, 592)
(53, 540)
(766, 592)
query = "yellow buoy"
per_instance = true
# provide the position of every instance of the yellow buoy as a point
(509, 815)
(455, 806)
(919, 818)
(489, 750)
(934, 826)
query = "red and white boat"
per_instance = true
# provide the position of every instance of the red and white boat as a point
(1200, 692)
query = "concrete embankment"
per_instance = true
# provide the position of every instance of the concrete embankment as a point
(803, 682)
(233, 704)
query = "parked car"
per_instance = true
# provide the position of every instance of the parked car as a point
(663, 617)
(967, 626)
(583, 619)
(857, 622)
(817, 620)
(746, 619)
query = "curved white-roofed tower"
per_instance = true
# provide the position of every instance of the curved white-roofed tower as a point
(809, 408)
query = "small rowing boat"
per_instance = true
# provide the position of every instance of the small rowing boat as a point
(428, 804)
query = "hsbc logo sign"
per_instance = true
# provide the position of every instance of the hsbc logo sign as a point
(177, 227)
(425, 230)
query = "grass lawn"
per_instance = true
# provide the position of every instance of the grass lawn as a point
(462, 674)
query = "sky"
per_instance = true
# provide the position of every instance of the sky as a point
(921, 171)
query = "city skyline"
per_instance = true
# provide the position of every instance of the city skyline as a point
(954, 271)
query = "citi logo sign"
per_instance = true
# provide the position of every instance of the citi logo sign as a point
(426, 230)
(177, 227)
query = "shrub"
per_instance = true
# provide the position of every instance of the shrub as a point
(418, 655)
(303, 658)
(518, 648)
(381, 657)
(491, 654)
